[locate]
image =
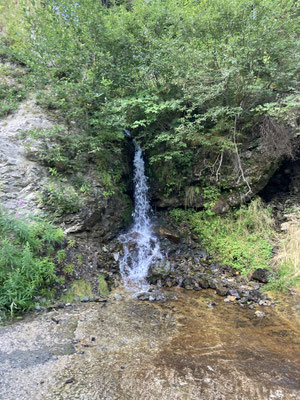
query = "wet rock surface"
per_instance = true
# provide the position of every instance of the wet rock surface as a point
(195, 348)
(188, 265)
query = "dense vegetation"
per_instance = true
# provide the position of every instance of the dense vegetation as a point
(183, 76)
(242, 238)
(27, 263)
(186, 77)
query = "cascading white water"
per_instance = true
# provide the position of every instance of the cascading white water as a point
(141, 247)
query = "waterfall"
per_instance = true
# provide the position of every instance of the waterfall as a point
(141, 247)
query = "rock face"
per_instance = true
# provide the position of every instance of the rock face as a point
(22, 178)
(258, 162)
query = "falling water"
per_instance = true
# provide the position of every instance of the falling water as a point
(141, 247)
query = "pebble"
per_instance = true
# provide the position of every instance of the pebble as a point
(71, 380)
(212, 304)
(234, 293)
(231, 298)
(260, 314)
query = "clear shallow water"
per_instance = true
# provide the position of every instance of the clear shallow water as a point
(126, 349)
(141, 247)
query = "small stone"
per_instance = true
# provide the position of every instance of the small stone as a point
(85, 299)
(212, 304)
(100, 299)
(71, 380)
(231, 298)
(204, 283)
(118, 296)
(251, 307)
(234, 293)
(221, 290)
(260, 314)
(212, 284)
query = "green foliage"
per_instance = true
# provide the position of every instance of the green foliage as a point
(284, 279)
(12, 89)
(79, 289)
(178, 74)
(61, 255)
(102, 285)
(242, 238)
(60, 198)
(69, 269)
(27, 268)
(60, 150)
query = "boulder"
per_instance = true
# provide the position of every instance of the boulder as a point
(165, 233)
(261, 275)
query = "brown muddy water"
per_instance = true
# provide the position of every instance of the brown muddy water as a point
(126, 349)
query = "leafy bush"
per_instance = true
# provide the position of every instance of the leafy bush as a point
(183, 76)
(27, 266)
(60, 198)
(12, 89)
(59, 149)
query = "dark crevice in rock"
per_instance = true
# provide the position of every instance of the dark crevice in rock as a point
(285, 181)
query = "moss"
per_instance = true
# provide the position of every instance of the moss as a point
(102, 285)
(79, 289)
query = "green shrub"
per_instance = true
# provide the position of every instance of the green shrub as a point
(60, 198)
(27, 268)
(59, 149)
(13, 82)
(102, 285)
(241, 238)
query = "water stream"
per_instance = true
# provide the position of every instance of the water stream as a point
(141, 247)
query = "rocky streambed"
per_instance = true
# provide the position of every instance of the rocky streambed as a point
(197, 347)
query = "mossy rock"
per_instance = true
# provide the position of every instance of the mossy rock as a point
(79, 289)
(102, 285)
